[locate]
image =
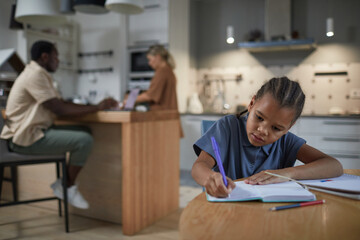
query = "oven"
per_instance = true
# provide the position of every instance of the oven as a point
(140, 73)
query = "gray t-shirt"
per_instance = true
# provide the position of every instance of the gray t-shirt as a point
(240, 158)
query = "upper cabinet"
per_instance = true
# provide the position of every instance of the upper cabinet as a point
(151, 26)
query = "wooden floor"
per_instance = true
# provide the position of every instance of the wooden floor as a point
(40, 223)
(32, 222)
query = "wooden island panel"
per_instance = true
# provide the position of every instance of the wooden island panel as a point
(132, 174)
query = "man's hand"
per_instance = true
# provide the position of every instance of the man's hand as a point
(107, 103)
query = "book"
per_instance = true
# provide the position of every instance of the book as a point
(278, 192)
(346, 185)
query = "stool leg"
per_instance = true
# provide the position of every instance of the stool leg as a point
(64, 182)
(57, 177)
(14, 182)
(1, 178)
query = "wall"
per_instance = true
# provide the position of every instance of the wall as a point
(96, 33)
(10, 38)
(211, 57)
(179, 47)
(102, 32)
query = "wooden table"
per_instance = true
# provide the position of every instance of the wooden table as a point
(132, 175)
(338, 218)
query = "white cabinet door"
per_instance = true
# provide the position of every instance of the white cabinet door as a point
(151, 26)
(192, 131)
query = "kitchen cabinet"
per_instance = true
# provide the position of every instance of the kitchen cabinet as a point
(10, 67)
(65, 39)
(192, 132)
(336, 136)
(151, 26)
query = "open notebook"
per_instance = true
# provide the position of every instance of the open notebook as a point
(278, 192)
(346, 185)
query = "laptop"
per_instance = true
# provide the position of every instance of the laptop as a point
(130, 102)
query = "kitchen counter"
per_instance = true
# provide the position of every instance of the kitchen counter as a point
(132, 174)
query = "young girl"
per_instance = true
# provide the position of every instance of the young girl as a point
(259, 141)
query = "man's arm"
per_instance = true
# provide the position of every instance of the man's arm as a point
(61, 108)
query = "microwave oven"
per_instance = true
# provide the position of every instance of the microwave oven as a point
(138, 63)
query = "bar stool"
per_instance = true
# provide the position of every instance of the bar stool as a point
(13, 160)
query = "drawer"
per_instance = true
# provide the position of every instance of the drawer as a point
(334, 143)
(348, 161)
(329, 126)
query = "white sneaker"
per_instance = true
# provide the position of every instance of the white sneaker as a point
(76, 199)
(57, 188)
(74, 196)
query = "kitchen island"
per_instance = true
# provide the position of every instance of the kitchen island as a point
(132, 174)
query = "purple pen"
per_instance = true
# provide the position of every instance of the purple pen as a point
(218, 160)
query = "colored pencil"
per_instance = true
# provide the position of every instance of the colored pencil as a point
(303, 204)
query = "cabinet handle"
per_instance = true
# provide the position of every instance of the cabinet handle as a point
(345, 156)
(333, 139)
(341, 123)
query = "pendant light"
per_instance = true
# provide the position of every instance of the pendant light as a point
(230, 34)
(39, 12)
(67, 7)
(90, 6)
(125, 6)
(330, 20)
(329, 27)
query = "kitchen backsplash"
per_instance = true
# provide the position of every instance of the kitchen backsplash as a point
(324, 93)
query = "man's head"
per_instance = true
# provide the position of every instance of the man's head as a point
(45, 54)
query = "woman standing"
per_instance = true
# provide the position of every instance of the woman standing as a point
(161, 94)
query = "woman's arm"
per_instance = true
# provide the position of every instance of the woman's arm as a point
(204, 175)
(143, 97)
(317, 165)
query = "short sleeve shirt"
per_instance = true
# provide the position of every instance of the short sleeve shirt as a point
(162, 90)
(240, 158)
(26, 117)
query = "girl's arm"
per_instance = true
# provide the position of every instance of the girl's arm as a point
(204, 175)
(317, 165)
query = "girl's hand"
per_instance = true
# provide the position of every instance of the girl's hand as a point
(262, 178)
(215, 186)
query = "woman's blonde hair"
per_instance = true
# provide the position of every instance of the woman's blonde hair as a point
(162, 52)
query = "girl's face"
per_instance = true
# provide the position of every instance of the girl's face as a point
(154, 61)
(267, 121)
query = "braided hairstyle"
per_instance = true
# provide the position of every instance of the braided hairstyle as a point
(286, 92)
(161, 50)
